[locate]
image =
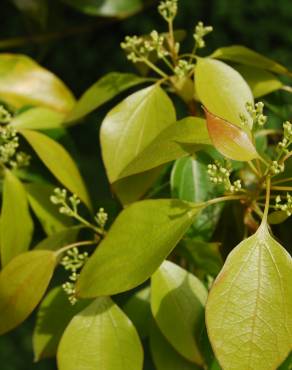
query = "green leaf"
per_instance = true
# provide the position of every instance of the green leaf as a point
(100, 337)
(177, 302)
(107, 8)
(164, 355)
(167, 145)
(287, 364)
(230, 140)
(138, 309)
(222, 90)
(129, 255)
(54, 314)
(277, 217)
(36, 10)
(261, 82)
(102, 91)
(132, 125)
(48, 214)
(58, 161)
(60, 239)
(23, 282)
(249, 309)
(16, 223)
(243, 55)
(39, 118)
(25, 82)
(190, 182)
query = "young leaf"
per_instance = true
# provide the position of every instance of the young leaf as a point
(277, 217)
(129, 255)
(222, 90)
(249, 309)
(23, 282)
(16, 223)
(25, 82)
(39, 118)
(48, 214)
(58, 161)
(164, 355)
(167, 145)
(54, 314)
(243, 55)
(132, 125)
(100, 337)
(230, 140)
(60, 239)
(177, 302)
(102, 91)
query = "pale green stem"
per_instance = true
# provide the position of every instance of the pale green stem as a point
(287, 88)
(282, 188)
(253, 168)
(156, 69)
(74, 245)
(267, 203)
(282, 180)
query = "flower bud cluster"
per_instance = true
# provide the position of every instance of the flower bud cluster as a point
(287, 138)
(5, 116)
(101, 218)
(183, 68)
(256, 113)
(200, 32)
(287, 206)
(68, 205)
(139, 48)
(276, 168)
(73, 262)
(168, 9)
(221, 175)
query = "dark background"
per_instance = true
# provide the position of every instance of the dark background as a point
(91, 49)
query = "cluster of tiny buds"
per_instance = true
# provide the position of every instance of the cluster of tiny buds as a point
(287, 206)
(68, 206)
(221, 175)
(287, 138)
(5, 116)
(139, 48)
(200, 32)
(183, 68)
(276, 168)
(73, 261)
(101, 218)
(168, 9)
(256, 113)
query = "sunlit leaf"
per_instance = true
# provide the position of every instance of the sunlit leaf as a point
(177, 303)
(100, 337)
(132, 125)
(134, 253)
(23, 282)
(277, 217)
(58, 161)
(222, 90)
(23, 81)
(249, 309)
(16, 223)
(230, 140)
(60, 239)
(39, 118)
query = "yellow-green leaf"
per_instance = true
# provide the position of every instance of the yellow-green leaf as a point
(23, 282)
(16, 223)
(23, 82)
(222, 90)
(177, 302)
(139, 240)
(230, 140)
(59, 162)
(38, 118)
(249, 309)
(60, 239)
(100, 337)
(132, 125)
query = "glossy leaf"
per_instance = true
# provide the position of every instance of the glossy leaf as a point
(54, 314)
(107, 8)
(16, 223)
(132, 125)
(222, 90)
(39, 118)
(249, 309)
(244, 55)
(25, 82)
(164, 355)
(23, 282)
(102, 91)
(134, 253)
(60, 239)
(58, 161)
(177, 302)
(169, 145)
(230, 140)
(48, 214)
(100, 337)
(261, 82)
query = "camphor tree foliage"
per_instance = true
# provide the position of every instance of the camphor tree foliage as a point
(152, 283)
